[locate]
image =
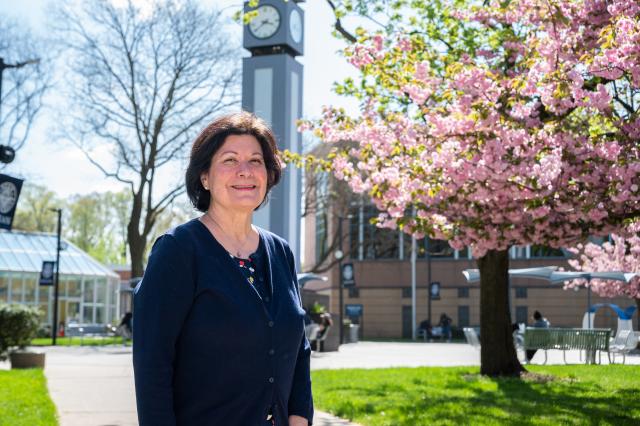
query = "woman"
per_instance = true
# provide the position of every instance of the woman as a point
(219, 328)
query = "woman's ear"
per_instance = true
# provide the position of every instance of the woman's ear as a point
(204, 181)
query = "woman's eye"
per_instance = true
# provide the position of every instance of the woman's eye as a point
(256, 161)
(230, 160)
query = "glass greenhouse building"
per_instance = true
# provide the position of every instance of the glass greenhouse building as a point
(88, 291)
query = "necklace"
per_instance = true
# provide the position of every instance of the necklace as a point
(238, 249)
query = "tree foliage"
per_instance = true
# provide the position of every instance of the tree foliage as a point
(499, 124)
(34, 210)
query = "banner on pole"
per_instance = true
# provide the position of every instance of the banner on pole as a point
(9, 192)
(46, 274)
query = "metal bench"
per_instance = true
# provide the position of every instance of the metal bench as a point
(624, 342)
(583, 339)
(88, 330)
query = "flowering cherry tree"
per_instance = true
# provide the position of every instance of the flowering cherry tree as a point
(621, 254)
(499, 124)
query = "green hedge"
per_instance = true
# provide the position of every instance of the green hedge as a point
(18, 326)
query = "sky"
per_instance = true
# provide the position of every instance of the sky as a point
(63, 168)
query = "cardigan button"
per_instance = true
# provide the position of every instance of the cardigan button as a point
(271, 352)
(271, 323)
(266, 299)
(271, 380)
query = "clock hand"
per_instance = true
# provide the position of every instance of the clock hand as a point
(264, 22)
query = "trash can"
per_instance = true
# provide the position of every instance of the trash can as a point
(353, 333)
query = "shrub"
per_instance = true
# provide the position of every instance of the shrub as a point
(317, 308)
(18, 326)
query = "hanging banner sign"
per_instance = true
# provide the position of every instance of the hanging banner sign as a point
(348, 277)
(434, 291)
(9, 192)
(46, 275)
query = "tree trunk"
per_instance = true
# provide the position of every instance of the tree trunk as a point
(137, 245)
(497, 354)
(137, 242)
(638, 316)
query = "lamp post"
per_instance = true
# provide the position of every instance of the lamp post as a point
(428, 248)
(340, 255)
(54, 331)
(7, 152)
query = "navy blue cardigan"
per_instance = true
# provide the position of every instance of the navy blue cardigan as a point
(206, 351)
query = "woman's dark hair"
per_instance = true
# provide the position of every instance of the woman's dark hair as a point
(537, 315)
(212, 138)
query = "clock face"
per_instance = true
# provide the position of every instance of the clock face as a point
(266, 23)
(295, 25)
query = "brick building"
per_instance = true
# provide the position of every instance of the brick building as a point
(381, 260)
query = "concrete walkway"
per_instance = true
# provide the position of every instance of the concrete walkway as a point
(94, 386)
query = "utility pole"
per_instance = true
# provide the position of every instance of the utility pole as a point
(340, 255)
(54, 332)
(428, 249)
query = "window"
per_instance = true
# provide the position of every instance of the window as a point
(100, 315)
(522, 314)
(463, 316)
(74, 288)
(30, 286)
(464, 253)
(437, 249)
(101, 290)
(463, 292)
(87, 314)
(43, 294)
(16, 289)
(545, 251)
(321, 193)
(519, 252)
(377, 243)
(406, 292)
(88, 291)
(4, 288)
(354, 292)
(521, 292)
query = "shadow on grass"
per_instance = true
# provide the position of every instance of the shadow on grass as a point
(460, 396)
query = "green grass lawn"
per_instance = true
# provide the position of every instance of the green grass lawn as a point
(552, 395)
(75, 341)
(24, 399)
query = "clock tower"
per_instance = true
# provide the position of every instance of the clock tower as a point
(272, 89)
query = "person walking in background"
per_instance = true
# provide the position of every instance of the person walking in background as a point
(125, 328)
(538, 322)
(219, 323)
(445, 324)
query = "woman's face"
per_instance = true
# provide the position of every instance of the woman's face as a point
(237, 177)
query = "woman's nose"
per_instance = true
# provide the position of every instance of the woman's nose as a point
(244, 168)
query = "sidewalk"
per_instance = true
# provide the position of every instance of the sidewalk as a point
(93, 386)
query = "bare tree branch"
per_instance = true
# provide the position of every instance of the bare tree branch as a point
(24, 83)
(338, 25)
(143, 82)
